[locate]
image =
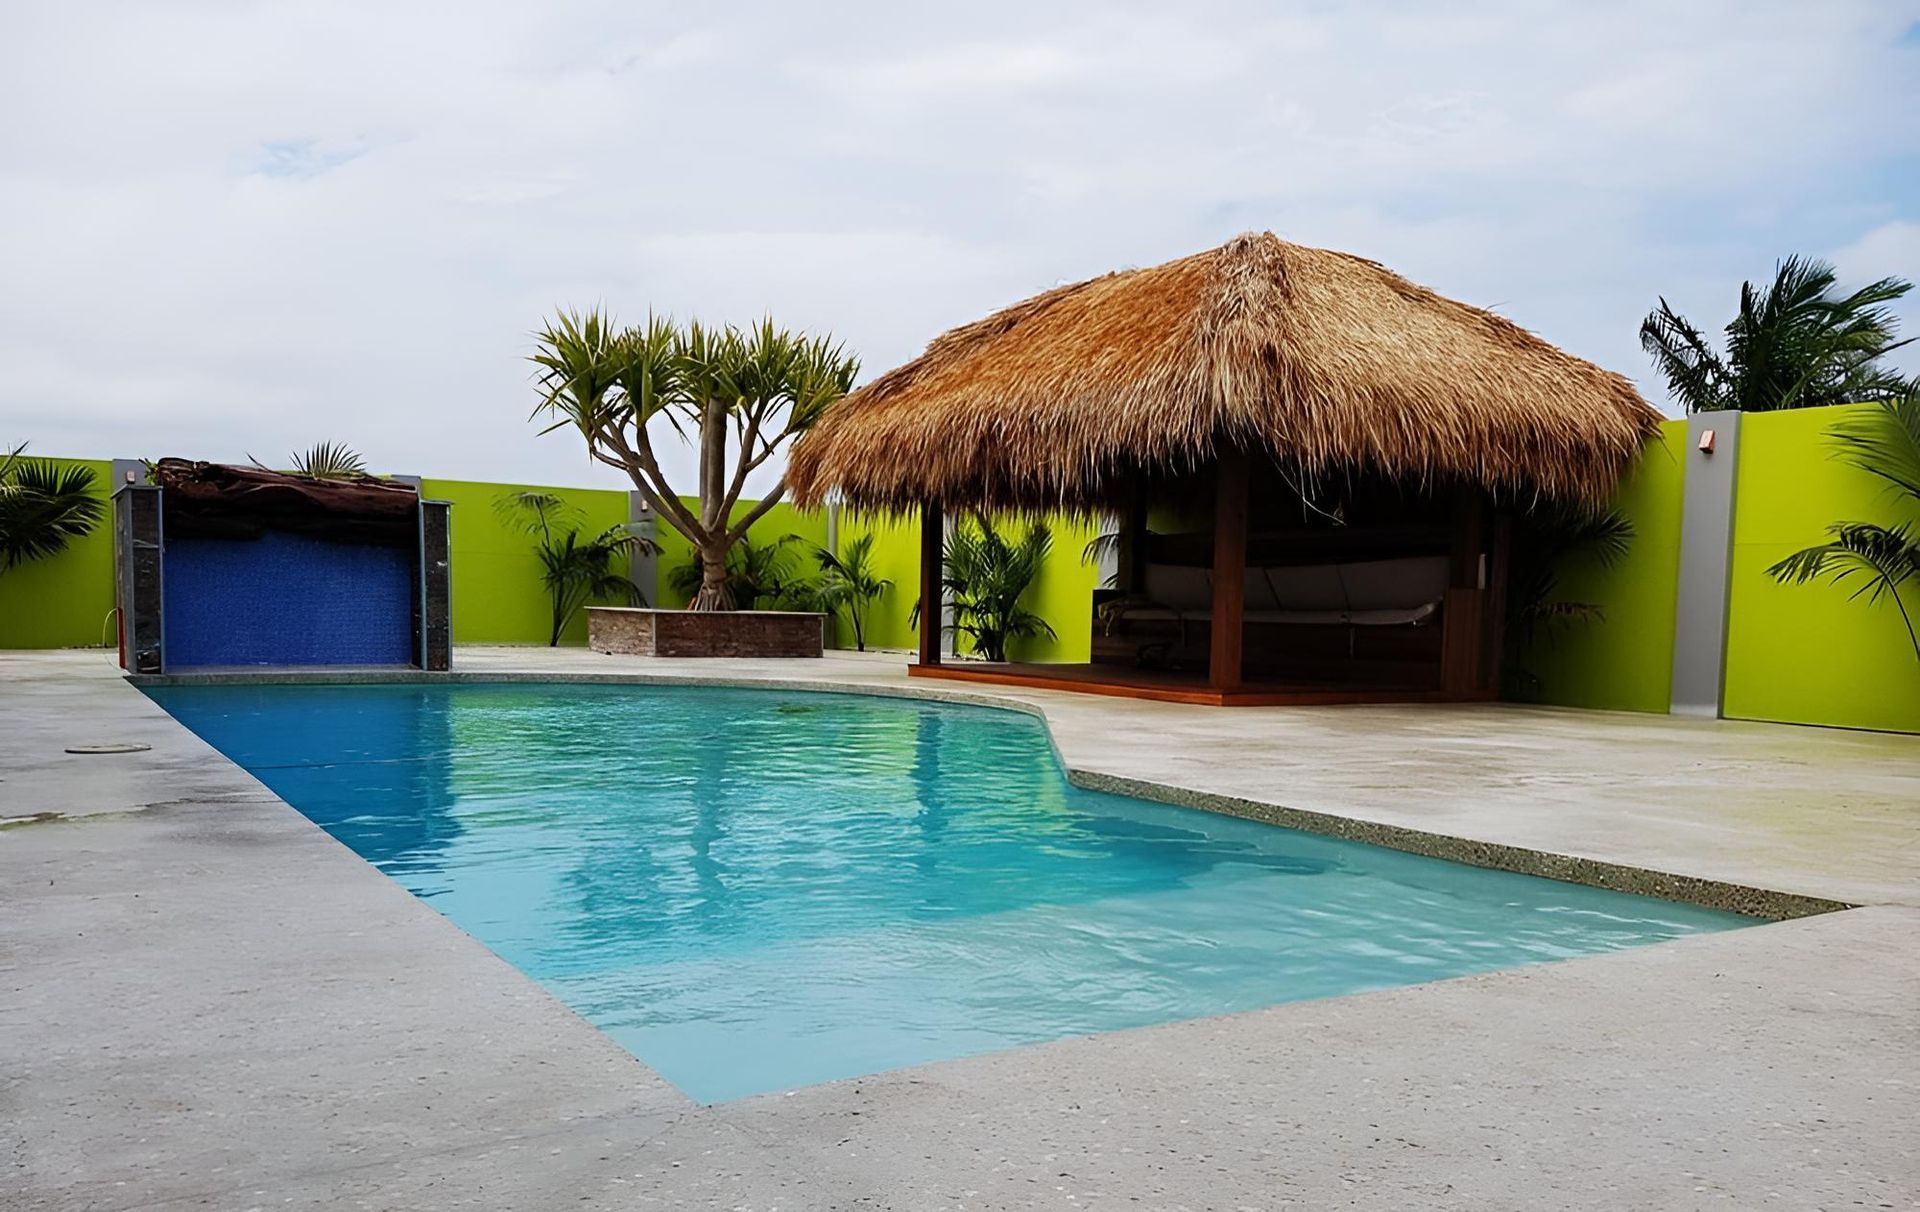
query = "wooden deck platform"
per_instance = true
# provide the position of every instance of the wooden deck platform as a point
(1166, 686)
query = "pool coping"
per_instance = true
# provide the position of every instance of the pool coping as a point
(1763, 903)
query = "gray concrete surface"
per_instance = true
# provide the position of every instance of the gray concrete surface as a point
(207, 1003)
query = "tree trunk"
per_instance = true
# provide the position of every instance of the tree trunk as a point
(715, 593)
(713, 465)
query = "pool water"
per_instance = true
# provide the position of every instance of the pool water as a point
(755, 890)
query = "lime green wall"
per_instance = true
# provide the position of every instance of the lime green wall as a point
(896, 556)
(1624, 662)
(1063, 596)
(63, 601)
(1805, 654)
(498, 597)
(1797, 654)
(1801, 654)
(497, 594)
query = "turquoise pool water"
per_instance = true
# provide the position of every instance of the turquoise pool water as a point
(756, 890)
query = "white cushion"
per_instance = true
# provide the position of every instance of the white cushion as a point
(1367, 585)
(1180, 587)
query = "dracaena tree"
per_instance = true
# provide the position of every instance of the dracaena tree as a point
(759, 575)
(738, 395)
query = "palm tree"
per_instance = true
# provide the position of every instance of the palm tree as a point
(1793, 344)
(43, 507)
(575, 570)
(753, 390)
(1883, 442)
(848, 583)
(987, 575)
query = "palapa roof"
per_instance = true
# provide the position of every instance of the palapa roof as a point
(1330, 362)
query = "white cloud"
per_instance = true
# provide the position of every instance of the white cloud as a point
(1890, 250)
(229, 228)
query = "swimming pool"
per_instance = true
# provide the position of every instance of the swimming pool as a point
(753, 890)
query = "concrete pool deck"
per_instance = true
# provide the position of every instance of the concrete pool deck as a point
(209, 1003)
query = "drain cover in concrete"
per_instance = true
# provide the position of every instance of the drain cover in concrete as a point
(115, 747)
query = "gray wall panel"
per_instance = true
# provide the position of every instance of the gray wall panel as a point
(1706, 556)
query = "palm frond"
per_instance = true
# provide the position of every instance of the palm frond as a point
(328, 461)
(848, 583)
(577, 571)
(1560, 614)
(8, 460)
(1104, 547)
(577, 356)
(1794, 342)
(987, 574)
(1695, 373)
(1883, 557)
(1885, 441)
(1546, 542)
(44, 507)
(536, 512)
(1879, 561)
(649, 373)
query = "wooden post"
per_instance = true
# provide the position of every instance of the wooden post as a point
(1229, 570)
(1499, 568)
(1133, 548)
(1463, 622)
(932, 530)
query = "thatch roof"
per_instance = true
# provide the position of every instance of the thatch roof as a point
(1329, 362)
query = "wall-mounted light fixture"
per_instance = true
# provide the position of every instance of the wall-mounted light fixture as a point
(1706, 441)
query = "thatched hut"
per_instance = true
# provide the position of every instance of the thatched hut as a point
(1361, 441)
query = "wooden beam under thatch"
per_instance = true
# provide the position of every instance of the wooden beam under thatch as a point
(1328, 362)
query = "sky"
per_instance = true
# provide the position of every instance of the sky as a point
(232, 229)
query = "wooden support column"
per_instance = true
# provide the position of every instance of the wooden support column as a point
(1499, 570)
(932, 531)
(1229, 571)
(1463, 616)
(1133, 548)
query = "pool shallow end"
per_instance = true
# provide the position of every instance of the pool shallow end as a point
(1761, 903)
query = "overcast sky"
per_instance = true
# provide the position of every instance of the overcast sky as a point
(247, 227)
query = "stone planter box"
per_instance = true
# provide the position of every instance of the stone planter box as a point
(704, 633)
